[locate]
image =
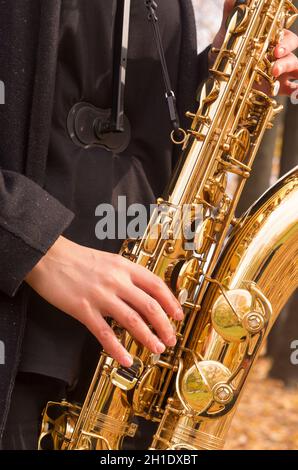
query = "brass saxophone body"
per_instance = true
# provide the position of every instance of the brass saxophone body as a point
(255, 277)
(231, 292)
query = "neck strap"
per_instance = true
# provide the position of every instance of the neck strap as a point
(88, 125)
(170, 95)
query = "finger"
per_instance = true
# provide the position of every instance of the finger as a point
(129, 319)
(107, 338)
(288, 44)
(288, 87)
(285, 65)
(155, 287)
(153, 313)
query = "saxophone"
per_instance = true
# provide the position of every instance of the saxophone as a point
(232, 276)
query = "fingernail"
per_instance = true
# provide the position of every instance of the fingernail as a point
(172, 340)
(127, 361)
(281, 51)
(160, 347)
(179, 315)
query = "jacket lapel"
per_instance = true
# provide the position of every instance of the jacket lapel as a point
(43, 91)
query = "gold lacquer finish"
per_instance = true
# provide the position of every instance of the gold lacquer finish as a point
(255, 276)
(231, 292)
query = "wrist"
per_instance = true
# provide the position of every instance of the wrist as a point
(54, 253)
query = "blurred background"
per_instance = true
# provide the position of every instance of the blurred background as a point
(267, 417)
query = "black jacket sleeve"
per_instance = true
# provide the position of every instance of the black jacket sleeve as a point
(30, 222)
(30, 218)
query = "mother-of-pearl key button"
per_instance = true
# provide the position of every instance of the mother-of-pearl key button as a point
(276, 88)
(183, 296)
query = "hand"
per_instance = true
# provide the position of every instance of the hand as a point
(93, 285)
(285, 67)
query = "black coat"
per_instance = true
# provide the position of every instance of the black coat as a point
(30, 218)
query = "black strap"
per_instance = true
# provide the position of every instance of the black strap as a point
(120, 45)
(121, 33)
(88, 125)
(121, 36)
(152, 6)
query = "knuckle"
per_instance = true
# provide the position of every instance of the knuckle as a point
(132, 321)
(115, 261)
(104, 335)
(92, 260)
(83, 305)
(158, 285)
(153, 307)
(98, 292)
(110, 280)
(119, 261)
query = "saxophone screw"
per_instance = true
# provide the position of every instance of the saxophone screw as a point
(170, 249)
(253, 322)
(223, 394)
